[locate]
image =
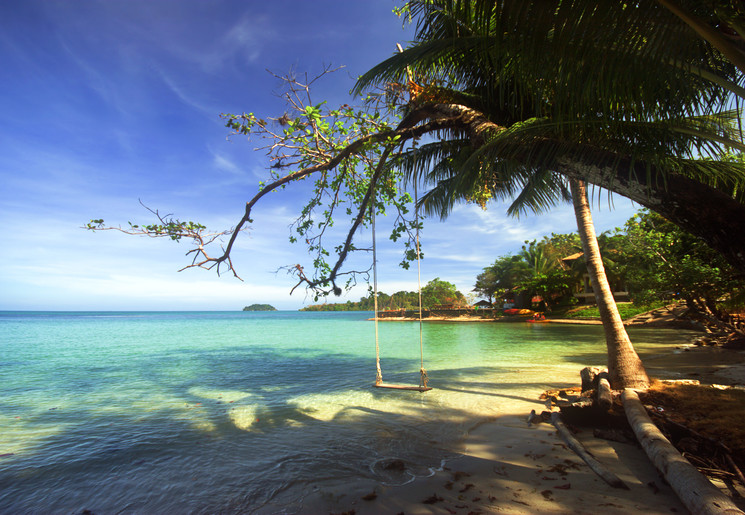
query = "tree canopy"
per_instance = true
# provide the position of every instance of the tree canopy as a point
(658, 260)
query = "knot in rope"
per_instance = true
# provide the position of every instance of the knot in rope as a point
(423, 380)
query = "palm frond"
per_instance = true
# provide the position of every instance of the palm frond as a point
(618, 84)
(575, 57)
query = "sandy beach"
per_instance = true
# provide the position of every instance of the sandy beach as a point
(505, 320)
(511, 467)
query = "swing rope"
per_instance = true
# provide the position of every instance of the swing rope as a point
(422, 371)
(379, 373)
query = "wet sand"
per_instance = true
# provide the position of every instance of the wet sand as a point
(510, 467)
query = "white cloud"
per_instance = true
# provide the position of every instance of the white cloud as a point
(245, 37)
(223, 163)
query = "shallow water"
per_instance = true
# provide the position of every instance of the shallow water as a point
(222, 411)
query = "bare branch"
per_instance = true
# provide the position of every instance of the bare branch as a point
(353, 143)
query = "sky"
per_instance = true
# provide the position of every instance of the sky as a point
(106, 103)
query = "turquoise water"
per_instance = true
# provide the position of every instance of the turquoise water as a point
(236, 412)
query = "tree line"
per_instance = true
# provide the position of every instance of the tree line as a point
(436, 293)
(649, 257)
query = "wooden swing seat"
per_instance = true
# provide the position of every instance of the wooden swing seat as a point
(403, 387)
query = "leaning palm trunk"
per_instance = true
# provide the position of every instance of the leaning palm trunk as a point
(698, 494)
(625, 369)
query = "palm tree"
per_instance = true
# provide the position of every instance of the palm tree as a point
(525, 130)
(650, 55)
(543, 90)
(624, 365)
(721, 23)
(537, 258)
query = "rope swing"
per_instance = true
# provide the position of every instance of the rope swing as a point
(422, 371)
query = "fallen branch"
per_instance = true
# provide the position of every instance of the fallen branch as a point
(575, 445)
(696, 492)
(735, 468)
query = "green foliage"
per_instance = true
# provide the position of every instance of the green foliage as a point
(336, 306)
(537, 269)
(486, 284)
(551, 285)
(168, 226)
(441, 293)
(651, 258)
(348, 146)
(538, 50)
(174, 229)
(502, 275)
(659, 260)
(540, 258)
(731, 185)
(625, 309)
(434, 294)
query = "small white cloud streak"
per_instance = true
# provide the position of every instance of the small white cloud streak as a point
(242, 41)
(187, 98)
(223, 163)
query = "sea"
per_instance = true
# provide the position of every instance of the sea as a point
(251, 412)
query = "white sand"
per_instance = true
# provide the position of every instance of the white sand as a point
(510, 467)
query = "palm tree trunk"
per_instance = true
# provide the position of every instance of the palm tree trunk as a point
(625, 369)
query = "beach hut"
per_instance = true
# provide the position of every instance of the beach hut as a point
(587, 295)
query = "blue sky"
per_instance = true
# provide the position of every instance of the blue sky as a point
(106, 102)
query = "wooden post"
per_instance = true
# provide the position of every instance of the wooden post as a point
(605, 397)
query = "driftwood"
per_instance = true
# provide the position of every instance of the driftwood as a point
(596, 379)
(575, 445)
(694, 490)
(589, 376)
(605, 396)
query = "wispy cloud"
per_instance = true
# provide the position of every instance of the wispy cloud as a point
(186, 97)
(242, 42)
(247, 36)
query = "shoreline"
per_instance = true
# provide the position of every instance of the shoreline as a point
(510, 467)
(502, 320)
(661, 324)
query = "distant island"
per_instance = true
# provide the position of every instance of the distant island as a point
(260, 307)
